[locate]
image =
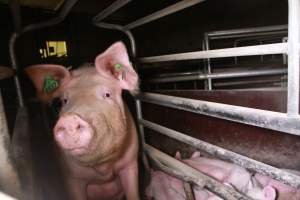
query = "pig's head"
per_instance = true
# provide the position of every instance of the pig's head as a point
(92, 123)
(258, 192)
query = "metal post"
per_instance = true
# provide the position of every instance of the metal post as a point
(209, 81)
(293, 58)
(9, 179)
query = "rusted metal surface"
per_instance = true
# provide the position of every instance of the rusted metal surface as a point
(221, 153)
(256, 117)
(264, 145)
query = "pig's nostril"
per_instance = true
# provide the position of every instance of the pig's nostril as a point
(79, 127)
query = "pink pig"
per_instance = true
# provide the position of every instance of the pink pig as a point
(284, 192)
(95, 131)
(165, 187)
(229, 174)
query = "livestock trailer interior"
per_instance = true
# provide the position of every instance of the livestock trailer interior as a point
(218, 77)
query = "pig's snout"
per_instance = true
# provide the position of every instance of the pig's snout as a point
(73, 133)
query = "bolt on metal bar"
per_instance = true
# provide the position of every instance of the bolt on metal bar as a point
(218, 75)
(251, 116)
(277, 48)
(293, 58)
(110, 9)
(176, 168)
(251, 164)
(164, 12)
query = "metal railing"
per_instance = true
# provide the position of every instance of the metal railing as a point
(284, 122)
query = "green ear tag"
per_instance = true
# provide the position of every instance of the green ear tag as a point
(50, 84)
(118, 66)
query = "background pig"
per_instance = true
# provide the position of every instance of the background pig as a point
(95, 131)
(230, 174)
(164, 187)
(284, 192)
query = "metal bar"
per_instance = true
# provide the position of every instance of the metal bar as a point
(66, 8)
(164, 12)
(16, 14)
(248, 35)
(110, 9)
(119, 28)
(4, 196)
(247, 30)
(192, 175)
(14, 65)
(277, 48)
(209, 81)
(64, 11)
(9, 179)
(293, 58)
(218, 75)
(251, 164)
(255, 117)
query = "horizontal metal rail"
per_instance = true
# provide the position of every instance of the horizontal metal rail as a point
(256, 117)
(253, 31)
(218, 75)
(178, 169)
(277, 48)
(248, 163)
(110, 9)
(164, 12)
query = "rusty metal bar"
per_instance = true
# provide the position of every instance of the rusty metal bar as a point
(277, 48)
(110, 9)
(176, 168)
(164, 12)
(248, 163)
(201, 76)
(255, 117)
(246, 32)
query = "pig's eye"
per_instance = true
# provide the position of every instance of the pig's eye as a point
(65, 100)
(106, 95)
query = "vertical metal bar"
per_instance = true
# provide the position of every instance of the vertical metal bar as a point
(9, 179)
(293, 57)
(13, 59)
(209, 82)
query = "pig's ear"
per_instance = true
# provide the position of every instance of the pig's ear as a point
(178, 155)
(114, 63)
(196, 154)
(48, 80)
(269, 193)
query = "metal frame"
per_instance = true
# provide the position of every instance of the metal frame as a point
(288, 123)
